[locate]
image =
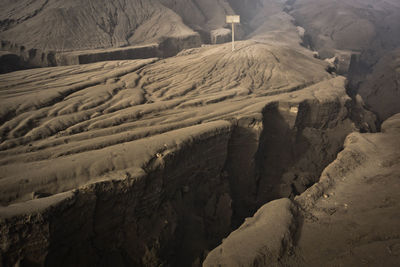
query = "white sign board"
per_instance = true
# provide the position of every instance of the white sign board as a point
(233, 19)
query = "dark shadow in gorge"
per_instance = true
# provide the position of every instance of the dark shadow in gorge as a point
(285, 154)
(280, 146)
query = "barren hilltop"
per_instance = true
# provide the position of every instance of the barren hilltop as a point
(141, 139)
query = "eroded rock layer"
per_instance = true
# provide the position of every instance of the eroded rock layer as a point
(350, 215)
(152, 161)
(381, 89)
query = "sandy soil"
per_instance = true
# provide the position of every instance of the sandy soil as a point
(355, 220)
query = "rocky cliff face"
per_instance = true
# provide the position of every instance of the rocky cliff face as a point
(381, 89)
(355, 198)
(177, 201)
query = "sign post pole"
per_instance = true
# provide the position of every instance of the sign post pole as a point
(233, 19)
(233, 36)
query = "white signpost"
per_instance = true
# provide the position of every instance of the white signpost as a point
(233, 19)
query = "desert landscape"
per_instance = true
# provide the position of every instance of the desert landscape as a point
(131, 134)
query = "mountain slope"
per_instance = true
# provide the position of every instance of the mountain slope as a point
(349, 25)
(77, 25)
(74, 25)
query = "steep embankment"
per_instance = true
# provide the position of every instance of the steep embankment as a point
(357, 198)
(350, 215)
(381, 89)
(169, 149)
(262, 240)
(360, 38)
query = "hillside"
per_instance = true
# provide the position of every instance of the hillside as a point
(352, 25)
(76, 25)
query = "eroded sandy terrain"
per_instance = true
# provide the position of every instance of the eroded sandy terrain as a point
(152, 162)
(349, 218)
(79, 131)
(49, 114)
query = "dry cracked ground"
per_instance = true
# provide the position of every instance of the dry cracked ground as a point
(284, 152)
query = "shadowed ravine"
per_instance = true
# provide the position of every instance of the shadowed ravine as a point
(149, 164)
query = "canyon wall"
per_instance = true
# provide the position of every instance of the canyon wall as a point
(179, 200)
(349, 215)
(170, 197)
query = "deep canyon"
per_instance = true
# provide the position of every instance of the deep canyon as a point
(140, 139)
